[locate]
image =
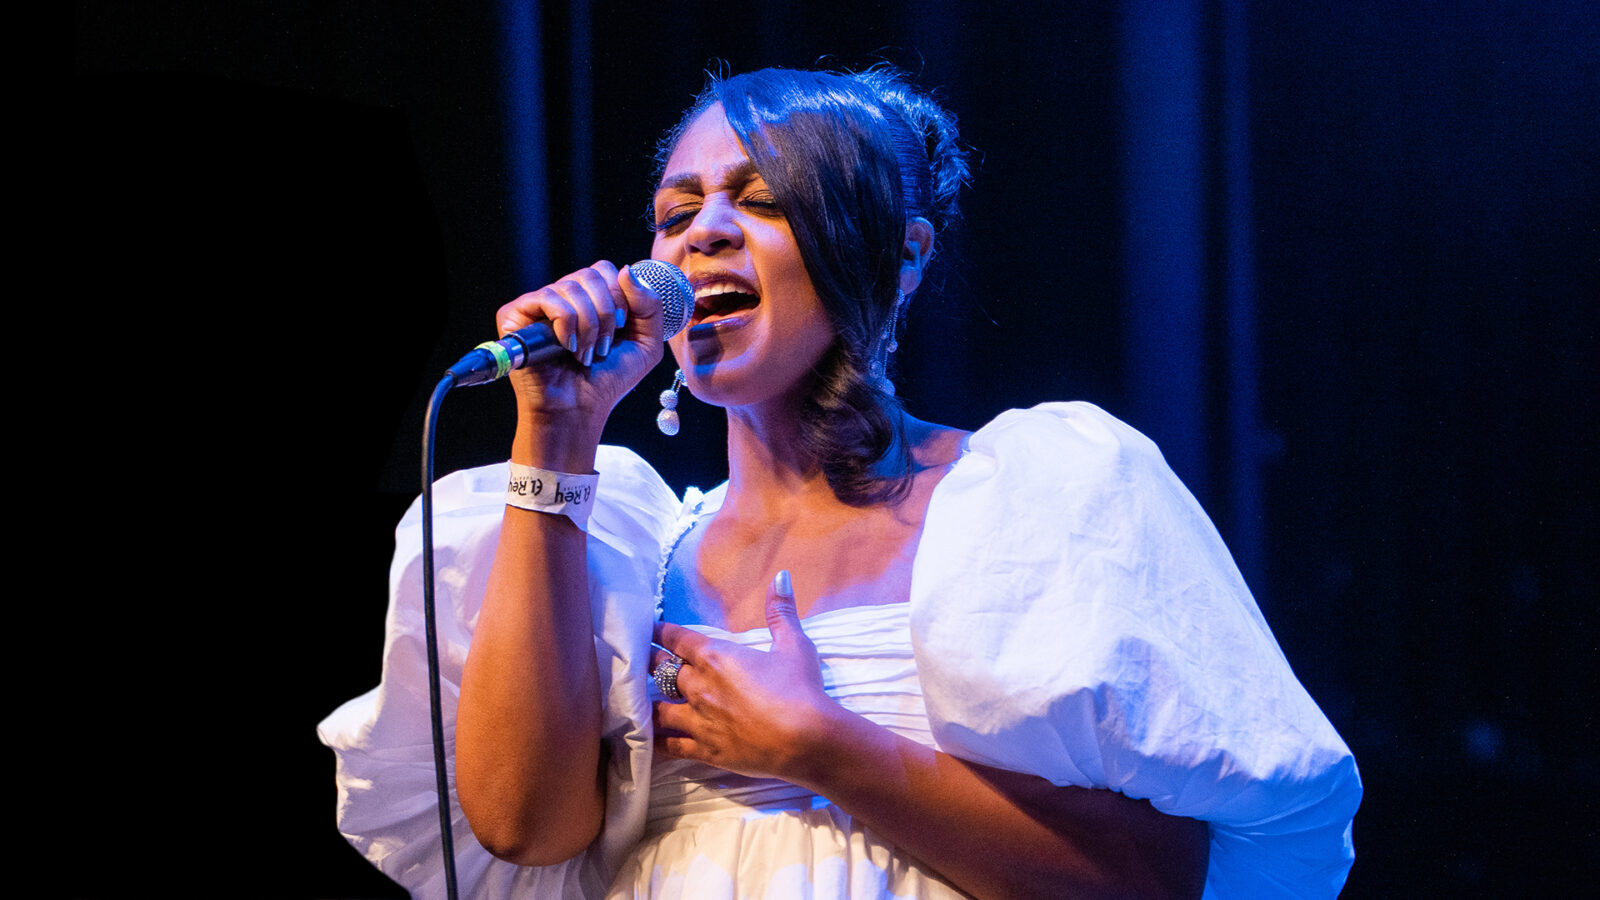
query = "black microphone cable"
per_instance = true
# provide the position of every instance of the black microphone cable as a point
(435, 701)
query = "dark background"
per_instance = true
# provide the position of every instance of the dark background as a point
(1339, 259)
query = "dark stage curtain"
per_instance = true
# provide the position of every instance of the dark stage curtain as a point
(1339, 260)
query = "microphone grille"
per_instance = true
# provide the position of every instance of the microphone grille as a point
(677, 297)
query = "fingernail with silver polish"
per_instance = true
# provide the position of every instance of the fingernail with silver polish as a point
(782, 585)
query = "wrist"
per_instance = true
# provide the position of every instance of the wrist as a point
(835, 747)
(563, 444)
(556, 493)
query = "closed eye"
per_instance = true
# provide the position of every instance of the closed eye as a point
(674, 219)
(762, 202)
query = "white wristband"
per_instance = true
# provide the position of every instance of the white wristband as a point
(559, 493)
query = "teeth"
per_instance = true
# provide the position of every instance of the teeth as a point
(717, 290)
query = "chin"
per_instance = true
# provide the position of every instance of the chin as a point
(730, 364)
(717, 382)
(733, 382)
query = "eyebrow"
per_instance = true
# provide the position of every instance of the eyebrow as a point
(736, 174)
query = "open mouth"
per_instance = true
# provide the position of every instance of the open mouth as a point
(722, 299)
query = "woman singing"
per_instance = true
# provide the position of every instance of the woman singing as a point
(891, 658)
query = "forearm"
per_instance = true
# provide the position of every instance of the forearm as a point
(528, 723)
(1000, 834)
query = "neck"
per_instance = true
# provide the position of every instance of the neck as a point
(769, 465)
(774, 488)
(772, 475)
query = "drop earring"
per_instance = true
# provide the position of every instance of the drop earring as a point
(667, 419)
(878, 369)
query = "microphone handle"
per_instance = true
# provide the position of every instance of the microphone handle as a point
(493, 360)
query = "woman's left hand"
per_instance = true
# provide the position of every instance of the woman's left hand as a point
(765, 714)
(752, 712)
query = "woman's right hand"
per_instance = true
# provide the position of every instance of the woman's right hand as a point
(611, 325)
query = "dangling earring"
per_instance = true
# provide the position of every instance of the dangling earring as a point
(878, 369)
(667, 419)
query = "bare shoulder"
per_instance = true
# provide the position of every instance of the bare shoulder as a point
(934, 446)
(934, 449)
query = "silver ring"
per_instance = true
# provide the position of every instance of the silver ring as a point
(666, 676)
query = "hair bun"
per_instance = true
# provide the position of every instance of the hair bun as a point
(941, 162)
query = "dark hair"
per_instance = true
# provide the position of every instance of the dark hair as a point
(851, 158)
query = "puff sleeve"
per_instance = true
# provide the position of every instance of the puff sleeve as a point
(382, 740)
(1075, 615)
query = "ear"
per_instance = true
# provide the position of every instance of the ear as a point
(915, 254)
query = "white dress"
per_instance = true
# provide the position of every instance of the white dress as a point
(1073, 614)
(714, 835)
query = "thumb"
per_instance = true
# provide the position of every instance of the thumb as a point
(643, 316)
(783, 618)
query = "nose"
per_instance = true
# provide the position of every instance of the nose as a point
(715, 227)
